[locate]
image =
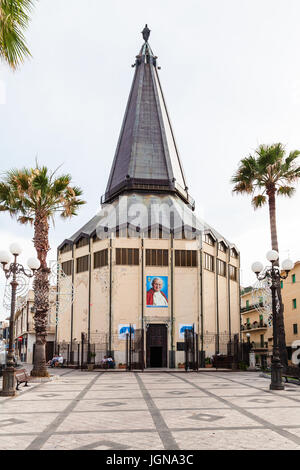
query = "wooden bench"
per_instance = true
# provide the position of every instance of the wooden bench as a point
(291, 372)
(22, 377)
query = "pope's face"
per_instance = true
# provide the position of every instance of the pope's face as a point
(157, 285)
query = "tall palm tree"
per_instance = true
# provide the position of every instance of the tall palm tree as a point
(265, 175)
(34, 196)
(14, 19)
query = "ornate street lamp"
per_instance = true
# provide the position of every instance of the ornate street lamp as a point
(11, 271)
(273, 275)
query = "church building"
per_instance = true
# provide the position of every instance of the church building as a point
(145, 263)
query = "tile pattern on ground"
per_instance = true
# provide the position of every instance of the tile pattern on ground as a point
(108, 411)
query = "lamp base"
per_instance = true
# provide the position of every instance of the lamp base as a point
(276, 387)
(9, 383)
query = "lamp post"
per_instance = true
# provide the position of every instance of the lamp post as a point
(248, 338)
(11, 271)
(274, 276)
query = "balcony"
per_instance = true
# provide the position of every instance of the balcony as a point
(251, 307)
(259, 346)
(256, 325)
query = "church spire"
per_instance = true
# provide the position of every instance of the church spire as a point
(146, 158)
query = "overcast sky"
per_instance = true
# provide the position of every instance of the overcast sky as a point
(231, 77)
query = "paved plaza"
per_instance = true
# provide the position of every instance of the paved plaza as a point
(163, 410)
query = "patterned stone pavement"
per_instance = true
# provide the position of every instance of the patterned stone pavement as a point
(154, 411)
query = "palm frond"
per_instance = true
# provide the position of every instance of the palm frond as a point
(259, 201)
(14, 19)
(286, 191)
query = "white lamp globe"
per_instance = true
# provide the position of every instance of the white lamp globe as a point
(272, 255)
(4, 257)
(33, 263)
(15, 249)
(257, 267)
(287, 265)
(248, 335)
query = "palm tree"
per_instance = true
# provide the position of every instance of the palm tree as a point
(267, 174)
(14, 19)
(34, 196)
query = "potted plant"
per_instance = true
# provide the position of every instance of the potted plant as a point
(122, 366)
(208, 362)
(181, 365)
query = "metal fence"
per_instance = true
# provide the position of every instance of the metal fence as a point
(129, 351)
(191, 348)
(135, 355)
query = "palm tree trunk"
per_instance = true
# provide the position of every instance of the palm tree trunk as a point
(279, 316)
(41, 295)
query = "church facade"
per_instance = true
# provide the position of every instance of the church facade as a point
(146, 262)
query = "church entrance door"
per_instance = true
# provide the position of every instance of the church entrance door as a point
(157, 345)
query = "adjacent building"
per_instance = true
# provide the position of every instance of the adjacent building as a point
(254, 317)
(290, 290)
(24, 332)
(146, 263)
(254, 326)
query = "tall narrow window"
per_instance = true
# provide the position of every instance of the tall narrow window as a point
(221, 267)
(65, 248)
(293, 278)
(67, 267)
(294, 303)
(222, 247)
(295, 328)
(232, 273)
(82, 264)
(208, 262)
(100, 258)
(209, 239)
(82, 242)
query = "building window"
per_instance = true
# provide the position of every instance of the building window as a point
(209, 239)
(157, 258)
(295, 328)
(247, 305)
(222, 247)
(209, 262)
(232, 273)
(293, 278)
(82, 242)
(65, 248)
(234, 253)
(82, 264)
(262, 341)
(67, 267)
(221, 267)
(294, 303)
(186, 258)
(100, 258)
(281, 284)
(127, 256)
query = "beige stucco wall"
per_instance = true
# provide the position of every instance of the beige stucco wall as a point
(126, 294)
(289, 292)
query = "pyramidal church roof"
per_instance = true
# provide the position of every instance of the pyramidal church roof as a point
(146, 168)
(146, 154)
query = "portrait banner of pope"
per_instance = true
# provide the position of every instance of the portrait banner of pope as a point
(157, 291)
